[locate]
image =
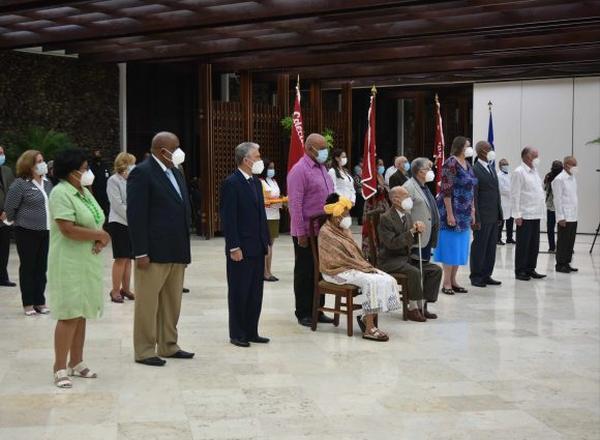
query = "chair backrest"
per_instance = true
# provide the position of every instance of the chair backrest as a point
(313, 233)
(372, 225)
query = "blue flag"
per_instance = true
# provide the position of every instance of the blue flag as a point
(490, 138)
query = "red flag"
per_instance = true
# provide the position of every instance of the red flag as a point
(297, 136)
(369, 171)
(438, 149)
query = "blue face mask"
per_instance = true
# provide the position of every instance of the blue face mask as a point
(270, 173)
(2, 159)
(381, 170)
(322, 155)
(406, 166)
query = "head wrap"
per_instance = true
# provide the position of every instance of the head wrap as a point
(338, 208)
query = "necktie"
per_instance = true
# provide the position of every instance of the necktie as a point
(173, 181)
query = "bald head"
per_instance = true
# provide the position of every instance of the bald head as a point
(163, 145)
(528, 154)
(397, 194)
(313, 144)
(399, 163)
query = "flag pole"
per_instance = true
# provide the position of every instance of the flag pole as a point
(490, 106)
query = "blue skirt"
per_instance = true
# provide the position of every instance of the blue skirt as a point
(453, 247)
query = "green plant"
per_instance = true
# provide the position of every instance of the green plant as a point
(328, 134)
(595, 141)
(48, 142)
(287, 124)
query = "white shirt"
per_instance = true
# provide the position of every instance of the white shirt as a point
(40, 186)
(272, 191)
(564, 188)
(389, 173)
(344, 186)
(486, 165)
(528, 200)
(504, 184)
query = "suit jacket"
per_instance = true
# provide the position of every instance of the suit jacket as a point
(243, 216)
(423, 212)
(488, 204)
(397, 179)
(395, 239)
(158, 218)
(7, 180)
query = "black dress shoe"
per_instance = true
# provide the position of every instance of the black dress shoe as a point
(180, 354)
(500, 242)
(323, 319)
(458, 289)
(562, 269)
(510, 241)
(537, 276)
(152, 361)
(186, 290)
(522, 277)
(478, 283)
(572, 269)
(306, 321)
(493, 282)
(240, 343)
(260, 340)
(7, 283)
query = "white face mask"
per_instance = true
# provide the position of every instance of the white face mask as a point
(504, 168)
(491, 156)
(574, 170)
(343, 161)
(469, 152)
(87, 178)
(407, 204)
(429, 176)
(346, 222)
(41, 169)
(258, 167)
(177, 156)
(536, 162)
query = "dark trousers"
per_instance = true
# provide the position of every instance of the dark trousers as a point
(304, 280)
(245, 280)
(509, 229)
(528, 246)
(432, 277)
(565, 243)
(550, 225)
(483, 252)
(4, 251)
(32, 247)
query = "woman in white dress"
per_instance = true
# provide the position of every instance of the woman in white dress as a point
(271, 191)
(343, 183)
(341, 262)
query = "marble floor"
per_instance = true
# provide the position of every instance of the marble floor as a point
(517, 362)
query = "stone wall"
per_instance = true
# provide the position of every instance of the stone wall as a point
(63, 94)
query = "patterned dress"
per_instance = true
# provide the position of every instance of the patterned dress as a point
(459, 184)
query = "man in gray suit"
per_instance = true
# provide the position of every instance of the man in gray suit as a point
(397, 234)
(488, 215)
(6, 179)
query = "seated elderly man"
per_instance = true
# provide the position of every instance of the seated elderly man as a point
(397, 235)
(341, 262)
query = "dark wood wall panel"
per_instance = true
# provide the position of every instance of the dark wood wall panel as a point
(335, 121)
(268, 133)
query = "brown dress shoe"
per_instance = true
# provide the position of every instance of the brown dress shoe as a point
(415, 315)
(428, 315)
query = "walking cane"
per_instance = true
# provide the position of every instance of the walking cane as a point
(420, 262)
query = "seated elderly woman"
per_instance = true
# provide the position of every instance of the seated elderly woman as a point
(341, 262)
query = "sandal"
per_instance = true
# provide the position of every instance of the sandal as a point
(30, 312)
(447, 291)
(61, 379)
(361, 324)
(81, 370)
(271, 278)
(459, 289)
(42, 310)
(376, 335)
(118, 299)
(128, 295)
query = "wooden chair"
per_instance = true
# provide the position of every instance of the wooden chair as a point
(373, 220)
(344, 294)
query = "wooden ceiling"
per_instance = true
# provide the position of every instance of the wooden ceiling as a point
(391, 42)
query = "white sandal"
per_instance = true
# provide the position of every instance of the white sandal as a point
(30, 313)
(42, 310)
(81, 370)
(61, 379)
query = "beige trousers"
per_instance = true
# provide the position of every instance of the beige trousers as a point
(158, 291)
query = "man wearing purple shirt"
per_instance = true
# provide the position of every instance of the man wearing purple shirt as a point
(308, 185)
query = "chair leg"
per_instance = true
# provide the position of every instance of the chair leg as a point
(376, 320)
(315, 311)
(404, 301)
(336, 315)
(350, 314)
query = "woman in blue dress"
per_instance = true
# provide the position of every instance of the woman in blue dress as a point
(457, 213)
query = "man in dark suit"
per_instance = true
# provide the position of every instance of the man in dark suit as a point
(158, 213)
(6, 179)
(488, 215)
(399, 178)
(246, 243)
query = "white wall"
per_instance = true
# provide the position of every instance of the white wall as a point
(558, 116)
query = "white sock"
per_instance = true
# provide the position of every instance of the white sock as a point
(412, 305)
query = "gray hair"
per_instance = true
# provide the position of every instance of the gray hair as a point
(242, 151)
(418, 164)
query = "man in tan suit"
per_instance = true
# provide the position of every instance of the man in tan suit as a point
(158, 213)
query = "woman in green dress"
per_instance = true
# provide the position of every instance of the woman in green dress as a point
(75, 268)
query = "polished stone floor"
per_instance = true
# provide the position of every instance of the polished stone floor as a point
(517, 362)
